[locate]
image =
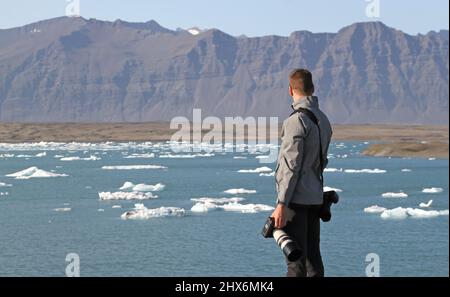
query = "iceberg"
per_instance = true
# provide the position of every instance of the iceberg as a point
(239, 157)
(4, 193)
(126, 196)
(116, 206)
(257, 170)
(142, 187)
(91, 158)
(398, 213)
(240, 191)
(374, 209)
(267, 174)
(140, 212)
(246, 208)
(406, 170)
(432, 190)
(140, 156)
(63, 209)
(227, 204)
(133, 167)
(217, 201)
(394, 195)
(426, 205)
(326, 189)
(34, 172)
(4, 185)
(333, 170)
(373, 171)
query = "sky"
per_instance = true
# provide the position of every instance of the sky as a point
(242, 17)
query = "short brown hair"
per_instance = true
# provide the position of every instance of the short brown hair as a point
(301, 80)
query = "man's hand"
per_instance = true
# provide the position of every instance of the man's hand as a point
(279, 216)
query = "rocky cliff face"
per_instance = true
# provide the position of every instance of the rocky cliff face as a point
(77, 70)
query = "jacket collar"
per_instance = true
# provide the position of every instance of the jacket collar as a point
(308, 102)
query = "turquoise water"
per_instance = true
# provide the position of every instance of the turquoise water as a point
(35, 238)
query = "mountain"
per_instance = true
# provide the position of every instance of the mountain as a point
(79, 70)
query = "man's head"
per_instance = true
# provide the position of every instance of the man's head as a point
(300, 83)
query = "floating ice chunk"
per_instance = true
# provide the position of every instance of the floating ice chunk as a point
(116, 206)
(34, 172)
(432, 190)
(58, 156)
(262, 157)
(398, 213)
(100, 210)
(149, 188)
(4, 185)
(374, 209)
(204, 207)
(406, 170)
(43, 154)
(326, 189)
(394, 195)
(140, 156)
(186, 156)
(267, 174)
(239, 157)
(333, 170)
(375, 171)
(217, 201)
(431, 159)
(140, 212)
(257, 170)
(126, 196)
(4, 193)
(91, 158)
(426, 205)
(127, 185)
(2, 156)
(133, 167)
(63, 209)
(240, 191)
(246, 208)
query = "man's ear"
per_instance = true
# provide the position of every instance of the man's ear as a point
(291, 92)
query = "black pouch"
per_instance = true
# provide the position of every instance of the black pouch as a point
(329, 198)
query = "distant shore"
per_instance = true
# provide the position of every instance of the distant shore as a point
(392, 140)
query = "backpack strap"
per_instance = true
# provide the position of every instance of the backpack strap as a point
(314, 119)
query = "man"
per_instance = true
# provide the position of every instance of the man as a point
(298, 174)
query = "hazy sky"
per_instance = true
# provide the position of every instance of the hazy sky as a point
(250, 17)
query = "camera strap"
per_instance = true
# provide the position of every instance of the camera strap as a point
(314, 119)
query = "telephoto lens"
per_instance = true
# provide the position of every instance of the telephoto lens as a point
(287, 245)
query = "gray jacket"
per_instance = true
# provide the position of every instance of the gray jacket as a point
(296, 176)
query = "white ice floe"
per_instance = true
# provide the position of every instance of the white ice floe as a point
(4, 185)
(267, 174)
(34, 172)
(75, 158)
(257, 170)
(4, 193)
(374, 171)
(140, 156)
(394, 195)
(406, 170)
(100, 210)
(133, 167)
(63, 209)
(400, 213)
(140, 212)
(227, 204)
(116, 206)
(374, 209)
(126, 196)
(239, 157)
(432, 190)
(142, 187)
(39, 155)
(240, 191)
(333, 170)
(4, 156)
(431, 159)
(326, 189)
(426, 205)
(185, 156)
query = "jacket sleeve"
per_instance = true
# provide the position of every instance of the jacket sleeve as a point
(290, 159)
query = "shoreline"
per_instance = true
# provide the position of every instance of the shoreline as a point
(392, 140)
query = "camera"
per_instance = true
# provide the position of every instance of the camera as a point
(329, 198)
(283, 240)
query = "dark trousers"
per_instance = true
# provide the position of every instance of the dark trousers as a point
(304, 228)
